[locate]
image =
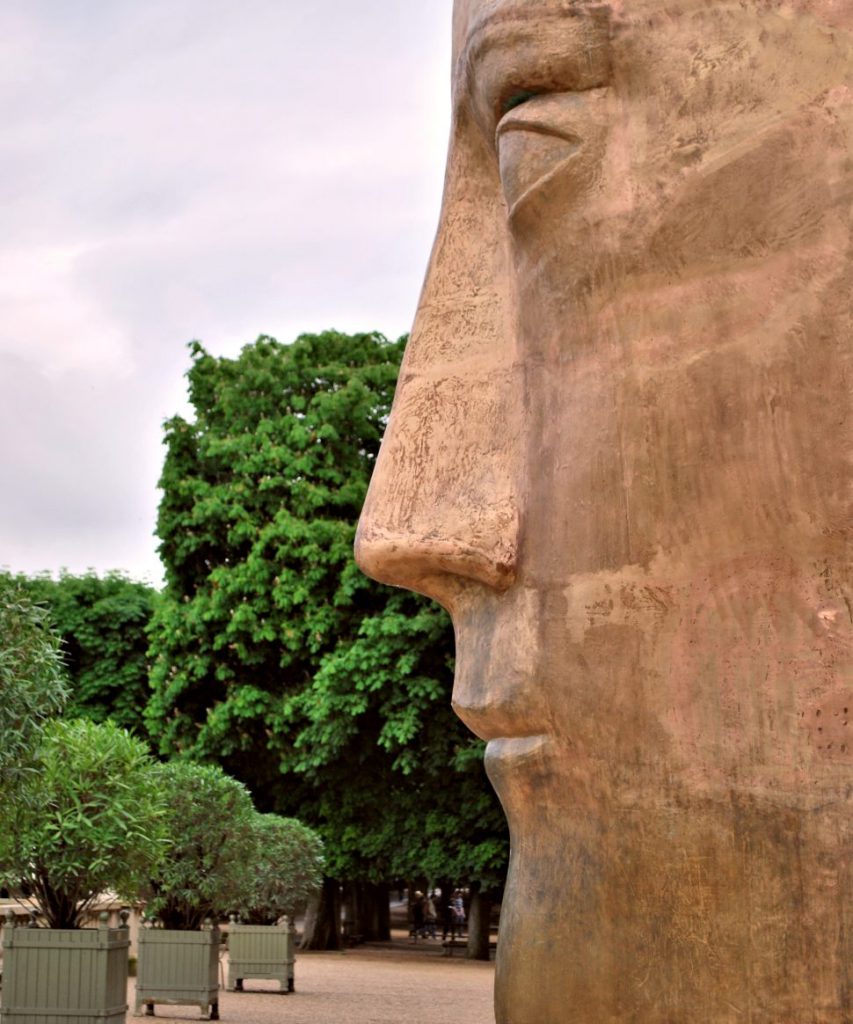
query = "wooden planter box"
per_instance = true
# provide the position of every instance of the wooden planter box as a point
(260, 951)
(178, 968)
(64, 976)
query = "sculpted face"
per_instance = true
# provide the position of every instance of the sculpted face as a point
(619, 456)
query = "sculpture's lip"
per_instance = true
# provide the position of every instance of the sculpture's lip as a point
(518, 748)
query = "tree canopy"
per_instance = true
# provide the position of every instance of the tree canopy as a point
(32, 682)
(102, 622)
(326, 693)
(92, 822)
(211, 845)
(287, 870)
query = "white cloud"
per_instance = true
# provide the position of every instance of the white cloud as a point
(180, 169)
(49, 319)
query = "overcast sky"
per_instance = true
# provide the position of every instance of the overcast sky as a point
(179, 169)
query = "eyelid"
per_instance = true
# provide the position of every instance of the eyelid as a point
(516, 99)
(520, 123)
(512, 49)
(523, 114)
(549, 113)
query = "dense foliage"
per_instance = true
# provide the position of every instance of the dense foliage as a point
(102, 623)
(211, 844)
(260, 495)
(286, 873)
(327, 694)
(32, 683)
(413, 804)
(93, 821)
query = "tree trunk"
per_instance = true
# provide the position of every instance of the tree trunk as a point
(374, 912)
(323, 919)
(352, 926)
(479, 921)
(383, 913)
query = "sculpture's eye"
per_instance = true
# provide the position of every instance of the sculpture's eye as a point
(543, 135)
(516, 99)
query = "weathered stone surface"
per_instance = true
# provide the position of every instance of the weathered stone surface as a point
(620, 456)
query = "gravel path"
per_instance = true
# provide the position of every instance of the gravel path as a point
(388, 983)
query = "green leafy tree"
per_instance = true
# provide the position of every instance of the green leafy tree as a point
(274, 656)
(398, 781)
(93, 821)
(211, 842)
(102, 621)
(32, 682)
(260, 496)
(288, 870)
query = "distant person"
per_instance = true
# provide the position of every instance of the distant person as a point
(430, 916)
(417, 916)
(446, 919)
(457, 906)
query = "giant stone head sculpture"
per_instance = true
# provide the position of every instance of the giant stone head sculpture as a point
(619, 456)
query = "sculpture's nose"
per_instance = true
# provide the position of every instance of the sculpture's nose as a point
(443, 504)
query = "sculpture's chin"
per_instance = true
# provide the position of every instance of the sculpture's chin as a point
(681, 907)
(541, 956)
(530, 982)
